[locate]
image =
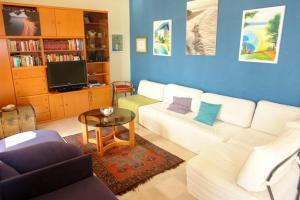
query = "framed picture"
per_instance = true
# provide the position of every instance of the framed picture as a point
(162, 38)
(21, 22)
(261, 34)
(201, 27)
(141, 44)
(117, 42)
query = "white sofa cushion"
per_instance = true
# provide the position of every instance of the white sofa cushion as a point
(151, 90)
(172, 90)
(265, 158)
(235, 111)
(212, 175)
(272, 117)
(251, 138)
(293, 124)
(182, 129)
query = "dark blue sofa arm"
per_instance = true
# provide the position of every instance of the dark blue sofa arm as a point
(46, 179)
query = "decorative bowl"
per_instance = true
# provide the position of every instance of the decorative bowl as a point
(107, 111)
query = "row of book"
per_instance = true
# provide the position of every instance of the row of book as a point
(74, 44)
(61, 58)
(26, 61)
(24, 46)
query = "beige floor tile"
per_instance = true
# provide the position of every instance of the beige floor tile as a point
(170, 185)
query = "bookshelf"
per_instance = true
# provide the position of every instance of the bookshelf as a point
(59, 50)
(97, 46)
(24, 58)
(25, 52)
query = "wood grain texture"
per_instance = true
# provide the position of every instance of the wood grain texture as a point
(47, 21)
(2, 30)
(30, 86)
(29, 72)
(100, 97)
(69, 23)
(75, 103)
(56, 106)
(7, 92)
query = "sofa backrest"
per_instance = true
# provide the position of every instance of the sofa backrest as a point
(172, 90)
(151, 90)
(235, 111)
(272, 117)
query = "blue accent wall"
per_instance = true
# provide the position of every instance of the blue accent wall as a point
(223, 73)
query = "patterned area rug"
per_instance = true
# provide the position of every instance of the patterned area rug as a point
(123, 168)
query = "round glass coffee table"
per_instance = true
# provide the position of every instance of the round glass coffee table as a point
(96, 119)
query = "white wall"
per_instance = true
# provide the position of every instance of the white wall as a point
(119, 23)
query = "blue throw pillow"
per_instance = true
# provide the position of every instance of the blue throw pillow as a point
(208, 113)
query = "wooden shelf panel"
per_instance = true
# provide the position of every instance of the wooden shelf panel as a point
(16, 52)
(46, 51)
(98, 74)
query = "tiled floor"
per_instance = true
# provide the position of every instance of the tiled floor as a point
(165, 186)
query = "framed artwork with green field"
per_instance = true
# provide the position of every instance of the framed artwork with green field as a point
(261, 34)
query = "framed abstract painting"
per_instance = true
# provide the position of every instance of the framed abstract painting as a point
(162, 38)
(261, 34)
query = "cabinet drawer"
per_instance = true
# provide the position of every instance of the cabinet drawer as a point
(29, 72)
(28, 87)
(40, 103)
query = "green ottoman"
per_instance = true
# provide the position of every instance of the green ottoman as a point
(134, 102)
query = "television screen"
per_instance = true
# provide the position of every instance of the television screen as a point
(66, 74)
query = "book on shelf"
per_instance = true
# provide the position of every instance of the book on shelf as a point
(24, 46)
(62, 58)
(73, 44)
(26, 61)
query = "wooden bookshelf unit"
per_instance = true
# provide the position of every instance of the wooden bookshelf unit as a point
(65, 36)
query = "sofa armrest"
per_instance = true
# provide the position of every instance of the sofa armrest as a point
(47, 179)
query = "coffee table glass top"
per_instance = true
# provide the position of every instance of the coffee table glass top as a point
(95, 118)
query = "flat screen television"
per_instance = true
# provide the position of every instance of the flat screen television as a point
(65, 76)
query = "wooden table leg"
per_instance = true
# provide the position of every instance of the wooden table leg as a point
(84, 128)
(131, 134)
(99, 141)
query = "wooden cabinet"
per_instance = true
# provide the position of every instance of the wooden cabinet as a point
(56, 106)
(47, 21)
(75, 103)
(69, 23)
(40, 104)
(7, 91)
(2, 31)
(100, 97)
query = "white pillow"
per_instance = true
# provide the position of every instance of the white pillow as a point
(263, 159)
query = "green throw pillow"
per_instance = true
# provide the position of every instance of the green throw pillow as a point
(208, 113)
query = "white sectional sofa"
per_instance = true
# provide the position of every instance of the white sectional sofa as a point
(235, 156)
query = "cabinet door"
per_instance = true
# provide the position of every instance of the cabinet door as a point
(47, 21)
(75, 103)
(100, 97)
(56, 107)
(7, 91)
(69, 23)
(2, 32)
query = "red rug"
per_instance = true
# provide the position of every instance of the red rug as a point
(122, 168)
